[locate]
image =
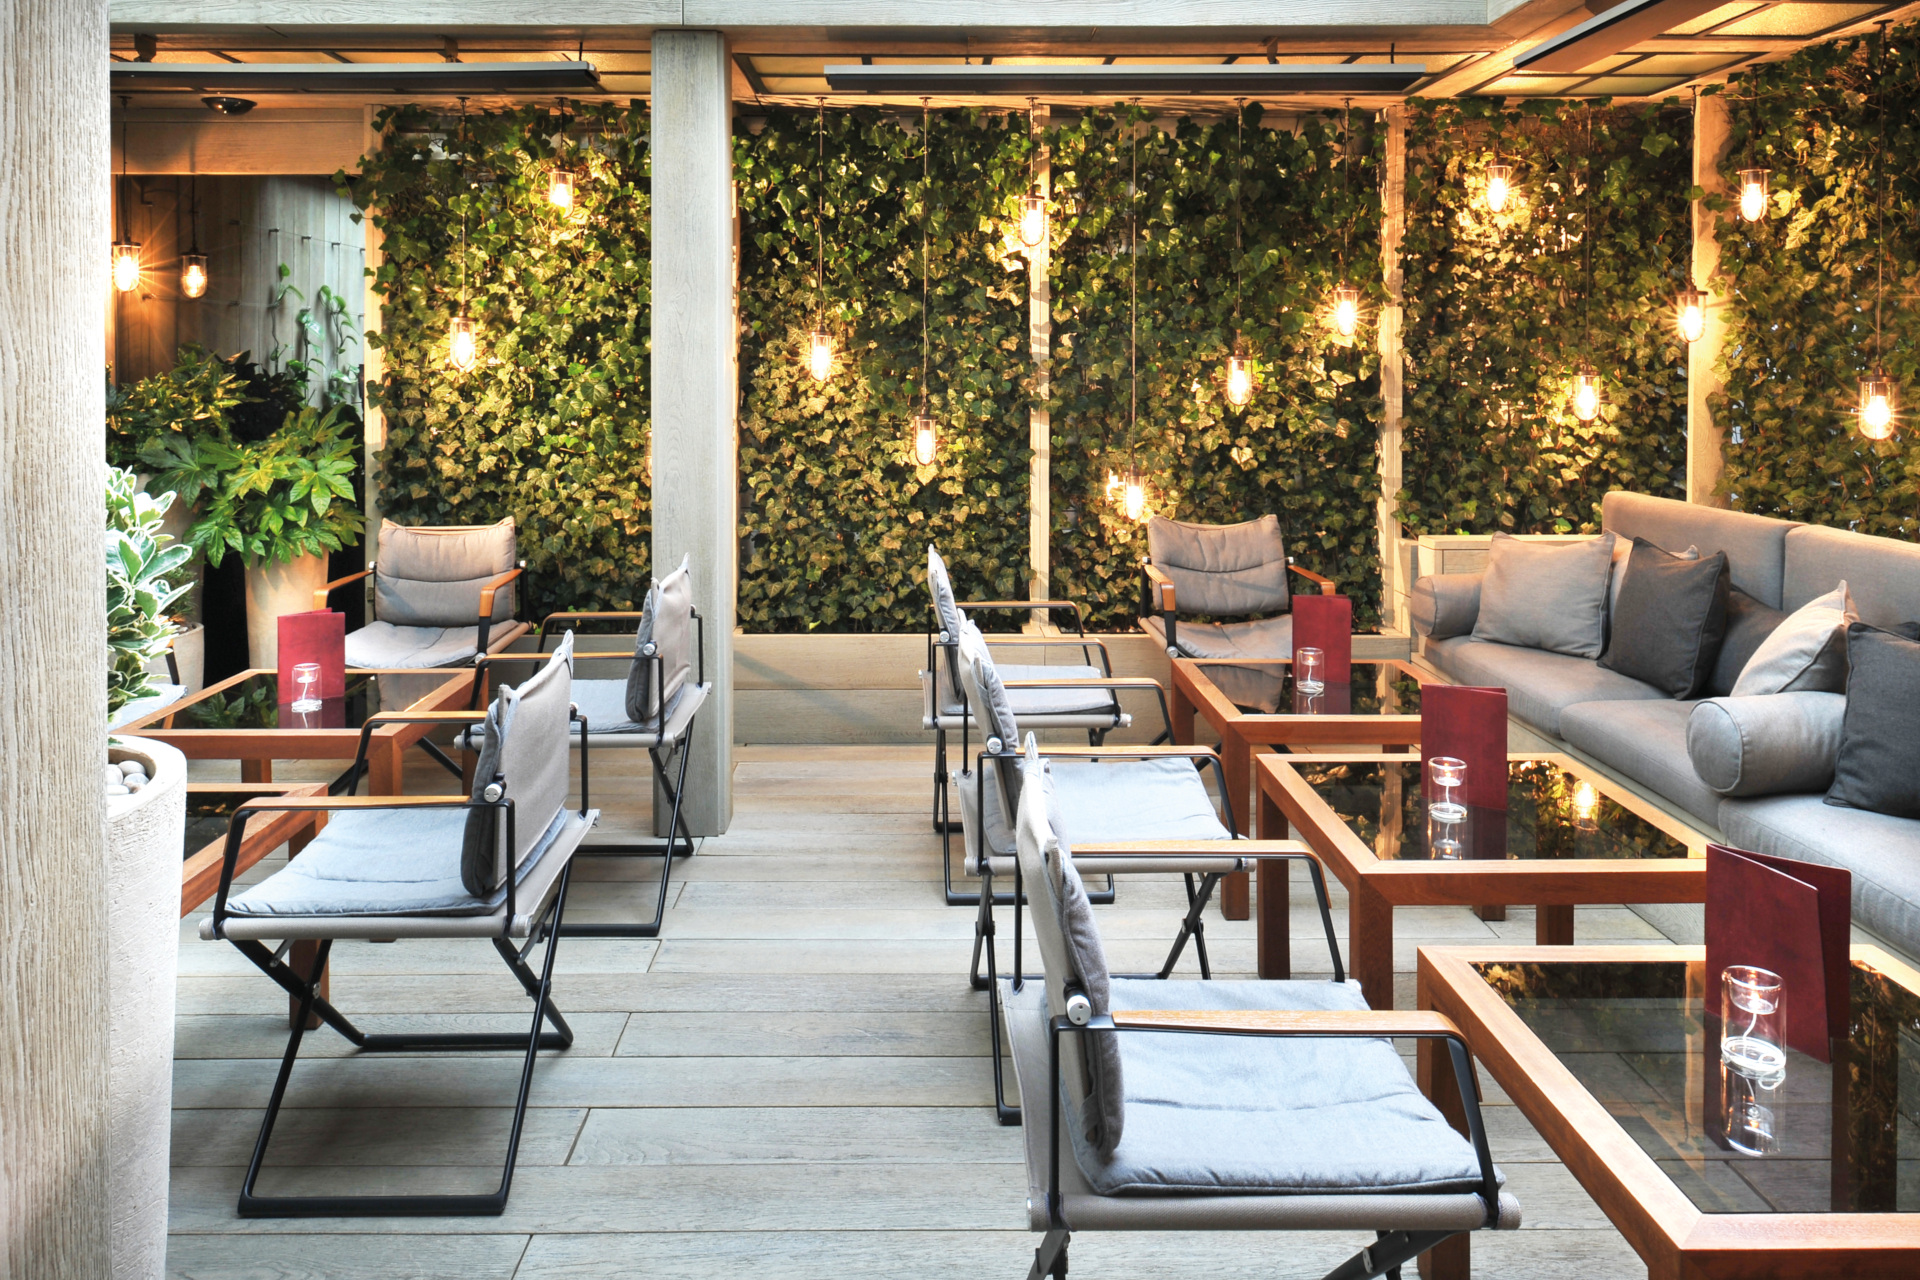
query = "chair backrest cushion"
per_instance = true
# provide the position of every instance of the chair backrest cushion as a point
(945, 607)
(1883, 574)
(431, 577)
(1226, 569)
(1072, 953)
(986, 694)
(524, 745)
(666, 623)
(1755, 545)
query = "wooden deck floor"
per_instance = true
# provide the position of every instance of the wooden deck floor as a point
(792, 1082)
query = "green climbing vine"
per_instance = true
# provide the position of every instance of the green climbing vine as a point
(1836, 123)
(1496, 308)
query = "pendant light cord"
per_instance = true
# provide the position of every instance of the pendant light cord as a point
(1586, 247)
(926, 141)
(193, 215)
(126, 236)
(1133, 283)
(1880, 235)
(463, 206)
(819, 230)
(1346, 209)
(1239, 172)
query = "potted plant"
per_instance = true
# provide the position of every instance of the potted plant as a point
(141, 590)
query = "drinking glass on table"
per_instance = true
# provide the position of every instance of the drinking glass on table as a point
(1446, 787)
(306, 678)
(1310, 670)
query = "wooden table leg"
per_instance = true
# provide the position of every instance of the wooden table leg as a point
(1370, 943)
(1273, 927)
(1553, 926)
(1494, 912)
(1180, 711)
(1452, 1258)
(385, 762)
(1236, 764)
(256, 771)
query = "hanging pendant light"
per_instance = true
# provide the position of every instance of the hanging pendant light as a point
(1690, 313)
(463, 339)
(1133, 496)
(1877, 392)
(1876, 406)
(1346, 310)
(1033, 205)
(1753, 194)
(126, 252)
(463, 344)
(1346, 298)
(193, 263)
(922, 436)
(1585, 394)
(561, 186)
(1241, 377)
(820, 355)
(1499, 184)
(926, 442)
(1129, 487)
(819, 342)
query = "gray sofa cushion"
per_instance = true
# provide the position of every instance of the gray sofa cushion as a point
(1444, 605)
(1539, 685)
(1669, 619)
(1270, 1115)
(1882, 852)
(1230, 569)
(431, 577)
(1775, 744)
(1756, 546)
(1622, 561)
(1882, 573)
(1749, 623)
(1546, 596)
(1807, 651)
(1644, 741)
(1878, 766)
(1264, 639)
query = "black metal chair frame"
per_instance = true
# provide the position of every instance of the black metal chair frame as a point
(306, 989)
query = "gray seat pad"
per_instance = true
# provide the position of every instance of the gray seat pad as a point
(398, 862)
(1270, 1115)
(1103, 802)
(1881, 851)
(381, 644)
(1263, 638)
(1646, 741)
(1039, 702)
(1539, 685)
(604, 704)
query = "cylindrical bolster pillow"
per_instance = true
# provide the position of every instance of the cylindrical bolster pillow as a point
(1772, 744)
(1445, 605)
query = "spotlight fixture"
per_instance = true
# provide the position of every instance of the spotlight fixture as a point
(1876, 406)
(1346, 309)
(1690, 313)
(1753, 194)
(227, 106)
(1586, 394)
(1499, 185)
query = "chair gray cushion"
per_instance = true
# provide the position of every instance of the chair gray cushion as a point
(1101, 802)
(1807, 651)
(381, 644)
(1878, 765)
(1539, 685)
(1883, 574)
(1755, 545)
(1045, 702)
(991, 706)
(431, 577)
(1214, 1114)
(525, 746)
(403, 862)
(945, 608)
(1881, 851)
(1104, 1118)
(1772, 744)
(1229, 569)
(1670, 617)
(1262, 639)
(1546, 595)
(1647, 742)
(1749, 623)
(604, 704)
(666, 624)
(1445, 605)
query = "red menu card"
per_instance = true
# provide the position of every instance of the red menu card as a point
(1326, 623)
(1468, 724)
(319, 636)
(1790, 917)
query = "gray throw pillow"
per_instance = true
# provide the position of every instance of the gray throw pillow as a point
(641, 698)
(997, 712)
(1444, 605)
(480, 845)
(1622, 554)
(1748, 623)
(1879, 763)
(1670, 618)
(1550, 596)
(525, 744)
(1807, 651)
(1774, 744)
(666, 623)
(1105, 1115)
(945, 607)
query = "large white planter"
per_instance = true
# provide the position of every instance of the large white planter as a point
(144, 831)
(274, 589)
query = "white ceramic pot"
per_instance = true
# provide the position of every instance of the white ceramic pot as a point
(274, 589)
(189, 656)
(144, 831)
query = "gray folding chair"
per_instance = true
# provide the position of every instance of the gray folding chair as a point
(441, 596)
(493, 866)
(1190, 1106)
(1233, 571)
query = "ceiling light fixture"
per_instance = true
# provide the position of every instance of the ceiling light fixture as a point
(1240, 371)
(1499, 184)
(1877, 391)
(820, 342)
(463, 340)
(229, 106)
(193, 263)
(922, 435)
(126, 253)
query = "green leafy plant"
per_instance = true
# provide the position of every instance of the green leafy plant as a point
(291, 495)
(140, 586)
(1494, 305)
(252, 709)
(189, 401)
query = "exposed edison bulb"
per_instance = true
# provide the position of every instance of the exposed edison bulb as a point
(926, 441)
(1239, 380)
(126, 266)
(1586, 394)
(1033, 219)
(1346, 310)
(1753, 194)
(1876, 406)
(463, 344)
(1586, 801)
(560, 187)
(1690, 314)
(820, 355)
(1133, 498)
(1499, 186)
(193, 274)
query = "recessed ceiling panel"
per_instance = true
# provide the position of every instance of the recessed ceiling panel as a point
(1708, 21)
(1629, 86)
(1786, 21)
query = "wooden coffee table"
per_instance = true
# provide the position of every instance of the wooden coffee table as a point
(1609, 1054)
(1254, 704)
(210, 807)
(1569, 836)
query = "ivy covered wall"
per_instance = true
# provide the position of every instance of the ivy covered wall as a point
(1839, 125)
(550, 425)
(1496, 307)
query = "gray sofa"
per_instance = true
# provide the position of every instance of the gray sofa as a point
(1640, 733)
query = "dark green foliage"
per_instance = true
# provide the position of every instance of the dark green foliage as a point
(1496, 304)
(835, 516)
(551, 425)
(1837, 124)
(1307, 447)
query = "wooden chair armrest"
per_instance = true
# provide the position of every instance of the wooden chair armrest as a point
(321, 594)
(1328, 587)
(597, 613)
(492, 585)
(356, 802)
(1162, 585)
(1087, 682)
(1128, 753)
(1422, 1023)
(1252, 850)
(1037, 642)
(425, 717)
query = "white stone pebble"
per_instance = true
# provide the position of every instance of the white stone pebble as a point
(114, 777)
(136, 781)
(133, 766)
(118, 791)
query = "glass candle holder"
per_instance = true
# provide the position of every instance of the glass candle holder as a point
(1753, 1040)
(1446, 788)
(1750, 1124)
(306, 678)
(1310, 670)
(1444, 838)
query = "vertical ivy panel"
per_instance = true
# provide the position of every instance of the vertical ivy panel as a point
(1497, 312)
(551, 424)
(1307, 447)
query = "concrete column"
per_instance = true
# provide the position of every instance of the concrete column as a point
(1705, 440)
(1039, 423)
(695, 374)
(54, 233)
(1393, 229)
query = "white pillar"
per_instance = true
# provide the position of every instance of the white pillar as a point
(54, 233)
(695, 346)
(1705, 439)
(1393, 229)
(1039, 424)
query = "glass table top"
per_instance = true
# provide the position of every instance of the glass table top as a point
(209, 812)
(1267, 688)
(1552, 813)
(255, 703)
(1638, 1037)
